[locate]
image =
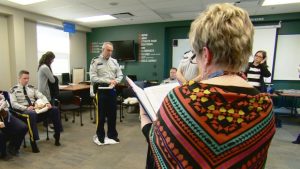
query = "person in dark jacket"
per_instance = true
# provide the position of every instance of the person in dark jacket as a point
(12, 130)
(257, 70)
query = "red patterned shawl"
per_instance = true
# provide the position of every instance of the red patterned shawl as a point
(213, 127)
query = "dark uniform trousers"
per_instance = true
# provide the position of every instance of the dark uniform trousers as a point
(2, 144)
(107, 105)
(14, 131)
(32, 118)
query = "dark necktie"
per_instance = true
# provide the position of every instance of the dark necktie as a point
(26, 96)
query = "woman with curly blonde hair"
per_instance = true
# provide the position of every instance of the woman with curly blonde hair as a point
(222, 121)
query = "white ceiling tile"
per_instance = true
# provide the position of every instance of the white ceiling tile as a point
(128, 8)
(144, 11)
(185, 15)
(278, 9)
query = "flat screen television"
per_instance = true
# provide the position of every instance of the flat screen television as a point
(124, 50)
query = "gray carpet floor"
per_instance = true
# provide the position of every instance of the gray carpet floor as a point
(79, 152)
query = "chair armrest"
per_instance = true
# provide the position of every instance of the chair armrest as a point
(56, 102)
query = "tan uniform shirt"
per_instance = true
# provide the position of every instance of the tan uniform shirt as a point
(103, 71)
(18, 100)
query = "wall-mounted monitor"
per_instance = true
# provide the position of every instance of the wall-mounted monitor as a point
(124, 50)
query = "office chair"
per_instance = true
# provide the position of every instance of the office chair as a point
(132, 77)
(127, 92)
(69, 102)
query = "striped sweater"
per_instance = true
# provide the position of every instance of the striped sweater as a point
(256, 74)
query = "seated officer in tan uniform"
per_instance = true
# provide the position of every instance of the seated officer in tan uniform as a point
(23, 97)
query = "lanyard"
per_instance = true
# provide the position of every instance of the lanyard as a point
(216, 74)
(221, 73)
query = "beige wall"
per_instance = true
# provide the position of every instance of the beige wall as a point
(31, 50)
(78, 51)
(18, 44)
(5, 81)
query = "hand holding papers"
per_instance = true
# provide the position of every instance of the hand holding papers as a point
(40, 106)
(151, 98)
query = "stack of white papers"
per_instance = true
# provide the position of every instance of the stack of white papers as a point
(152, 97)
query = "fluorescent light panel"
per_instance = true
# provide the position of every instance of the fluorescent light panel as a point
(279, 2)
(96, 18)
(26, 2)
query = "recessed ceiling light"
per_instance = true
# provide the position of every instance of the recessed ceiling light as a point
(279, 2)
(26, 2)
(96, 18)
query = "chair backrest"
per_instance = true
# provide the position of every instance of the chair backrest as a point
(65, 97)
(128, 92)
(132, 77)
(78, 75)
(6, 96)
(65, 77)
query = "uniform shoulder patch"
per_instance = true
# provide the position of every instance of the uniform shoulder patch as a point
(30, 86)
(94, 59)
(13, 88)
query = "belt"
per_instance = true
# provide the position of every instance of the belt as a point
(96, 85)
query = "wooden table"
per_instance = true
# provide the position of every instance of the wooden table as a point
(81, 90)
(75, 87)
(294, 95)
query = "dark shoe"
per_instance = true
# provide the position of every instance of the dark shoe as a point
(34, 147)
(57, 138)
(278, 123)
(12, 151)
(297, 141)
(6, 157)
(101, 140)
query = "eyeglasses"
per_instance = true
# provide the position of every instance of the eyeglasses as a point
(258, 56)
(193, 60)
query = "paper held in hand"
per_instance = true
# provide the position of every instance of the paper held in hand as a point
(152, 97)
(108, 87)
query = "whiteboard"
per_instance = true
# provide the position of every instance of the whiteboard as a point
(265, 39)
(287, 57)
(183, 45)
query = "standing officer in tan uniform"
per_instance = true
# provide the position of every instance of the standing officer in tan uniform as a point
(105, 72)
(23, 97)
